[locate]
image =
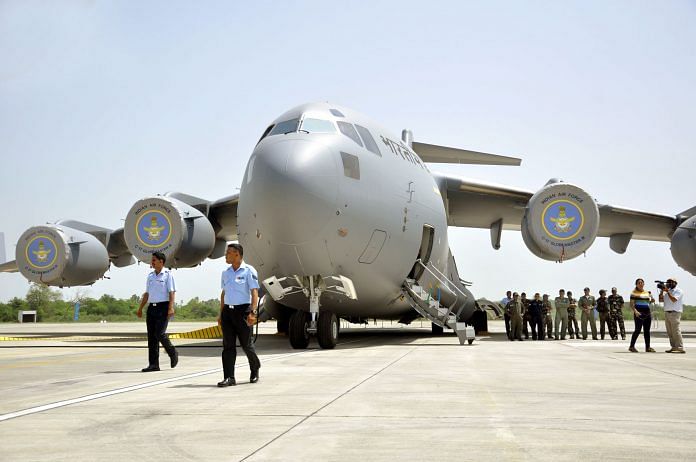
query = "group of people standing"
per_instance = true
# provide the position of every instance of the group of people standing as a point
(536, 316)
(239, 302)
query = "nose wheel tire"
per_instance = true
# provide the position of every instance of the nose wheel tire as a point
(437, 330)
(327, 330)
(298, 333)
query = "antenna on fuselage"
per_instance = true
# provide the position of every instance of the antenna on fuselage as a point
(407, 137)
(3, 257)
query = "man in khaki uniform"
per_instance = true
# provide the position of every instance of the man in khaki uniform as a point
(587, 304)
(561, 303)
(573, 328)
(525, 315)
(548, 317)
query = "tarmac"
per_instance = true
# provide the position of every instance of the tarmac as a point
(385, 393)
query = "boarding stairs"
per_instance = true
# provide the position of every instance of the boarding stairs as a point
(428, 303)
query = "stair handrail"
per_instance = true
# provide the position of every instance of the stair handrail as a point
(441, 277)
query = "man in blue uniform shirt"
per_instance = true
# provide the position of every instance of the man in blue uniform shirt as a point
(239, 299)
(159, 292)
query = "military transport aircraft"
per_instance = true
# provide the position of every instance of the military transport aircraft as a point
(342, 219)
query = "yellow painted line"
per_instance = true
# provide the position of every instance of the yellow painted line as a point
(206, 333)
(66, 359)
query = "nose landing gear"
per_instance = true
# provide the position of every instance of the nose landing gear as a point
(303, 324)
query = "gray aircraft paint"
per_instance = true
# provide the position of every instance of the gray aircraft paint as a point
(324, 204)
(300, 214)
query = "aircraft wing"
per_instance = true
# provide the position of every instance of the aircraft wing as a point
(479, 204)
(223, 215)
(9, 267)
(445, 155)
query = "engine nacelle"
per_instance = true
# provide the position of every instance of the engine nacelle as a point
(61, 256)
(168, 225)
(560, 222)
(684, 245)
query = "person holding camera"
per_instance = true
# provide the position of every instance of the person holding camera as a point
(673, 299)
(640, 304)
(238, 306)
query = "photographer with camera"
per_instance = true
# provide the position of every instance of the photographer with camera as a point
(673, 299)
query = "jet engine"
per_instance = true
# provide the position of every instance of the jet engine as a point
(61, 256)
(166, 224)
(560, 222)
(684, 245)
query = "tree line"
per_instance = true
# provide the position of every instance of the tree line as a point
(50, 307)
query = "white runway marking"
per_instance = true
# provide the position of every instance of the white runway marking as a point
(68, 402)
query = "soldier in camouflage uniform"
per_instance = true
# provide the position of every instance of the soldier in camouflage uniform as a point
(548, 319)
(561, 321)
(573, 328)
(514, 310)
(603, 310)
(525, 314)
(587, 305)
(616, 313)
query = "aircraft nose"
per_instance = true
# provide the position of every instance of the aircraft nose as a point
(293, 189)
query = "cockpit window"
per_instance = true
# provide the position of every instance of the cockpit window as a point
(287, 126)
(317, 126)
(348, 130)
(368, 139)
(265, 133)
(336, 112)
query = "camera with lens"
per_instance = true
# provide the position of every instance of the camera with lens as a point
(664, 285)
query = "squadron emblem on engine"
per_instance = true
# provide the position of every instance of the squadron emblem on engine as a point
(563, 223)
(562, 219)
(153, 229)
(41, 252)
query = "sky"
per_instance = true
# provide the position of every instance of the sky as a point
(104, 103)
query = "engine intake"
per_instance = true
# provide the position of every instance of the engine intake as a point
(560, 222)
(684, 245)
(168, 225)
(61, 256)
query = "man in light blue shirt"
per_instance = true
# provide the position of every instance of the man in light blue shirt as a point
(673, 299)
(239, 301)
(159, 292)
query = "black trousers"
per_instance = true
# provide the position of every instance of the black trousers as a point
(157, 322)
(234, 325)
(537, 328)
(643, 321)
(507, 325)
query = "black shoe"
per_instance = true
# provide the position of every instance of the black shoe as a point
(228, 382)
(254, 376)
(150, 369)
(174, 359)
